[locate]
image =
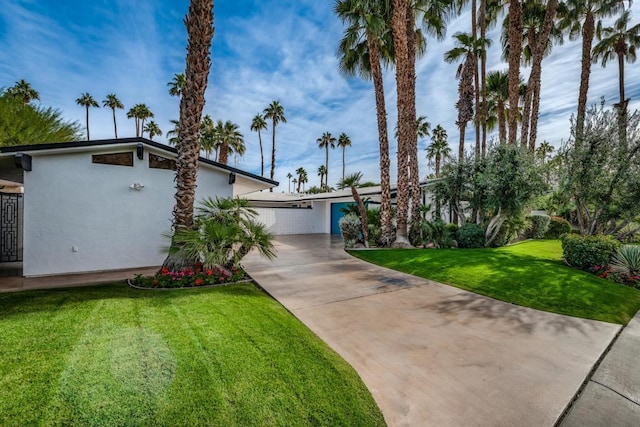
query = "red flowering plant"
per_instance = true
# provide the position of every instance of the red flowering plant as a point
(190, 277)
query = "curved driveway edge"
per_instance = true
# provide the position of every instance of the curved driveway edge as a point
(432, 354)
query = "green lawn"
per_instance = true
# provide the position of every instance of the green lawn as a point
(530, 274)
(228, 356)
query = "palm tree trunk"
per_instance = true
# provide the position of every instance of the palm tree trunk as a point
(224, 152)
(115, 125)
(405, 123)
(588, 29)
(528, 97)
(273, 152)
(87, 108)
(622, 107)
(343, 163)
(362, 210)
(381, 114)
(483, 74)
(462, 128)
(621, 79)
(437, 165)
(515, 50)
(502, 126)
(476, 78)
(262, 156)
(414, 169)
(535, 113)
(326, 163)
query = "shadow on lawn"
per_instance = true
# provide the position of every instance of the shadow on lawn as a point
(51, 300)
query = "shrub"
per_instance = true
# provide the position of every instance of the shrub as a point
(557, 227)
(470, 236)
(588, 252)
(540, 225)
(350, 229)
(626, 261)
(453, 228)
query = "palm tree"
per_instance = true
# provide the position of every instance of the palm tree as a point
(439, 149)
(174, 133)
(322, 171)
(300, 172)
(579, 17)
(176, 86)
(87, 101)
(207, 135)
(544, 150)
(275, 112)
(289, 176)
(199, 23)
(23, 90)
(498, 91)
(352, 181)
(152, 129)
(621, 42)
(144, 113)
(466, 46)
(514, 37)
(366, 45)
(112, 101)
(325, 141)
(257, 124)
(343, 142)
(304, 179)
(295, 181)
(230, 140)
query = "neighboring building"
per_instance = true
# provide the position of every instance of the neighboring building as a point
(98, 205)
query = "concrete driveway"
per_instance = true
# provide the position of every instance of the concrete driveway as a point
(431, 354)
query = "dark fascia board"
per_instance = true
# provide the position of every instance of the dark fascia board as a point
(137, 140)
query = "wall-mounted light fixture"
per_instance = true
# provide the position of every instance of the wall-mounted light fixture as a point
(232, 178)
(136, 186)
(140, 151)
(22, 161)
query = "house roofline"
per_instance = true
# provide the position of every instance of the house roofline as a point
(125, 141)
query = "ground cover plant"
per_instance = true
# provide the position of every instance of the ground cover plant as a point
(226, 356)
(530, 274)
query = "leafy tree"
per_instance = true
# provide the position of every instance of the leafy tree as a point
(22, 124)
(257, 124)
(601, 175)
(152, 129)
(112, 101)
(177, 84)
(199, 23)
(275, 112)
(87, 101)
(326, 141)
(23, 91)
(352, 181)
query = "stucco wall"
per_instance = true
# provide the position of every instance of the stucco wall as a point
(71, 203)
(282, 221)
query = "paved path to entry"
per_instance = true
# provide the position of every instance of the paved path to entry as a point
(431, 354)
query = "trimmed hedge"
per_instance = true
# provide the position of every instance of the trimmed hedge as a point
(470, 236)
(588, 252)
(540, 225)
(557, 227)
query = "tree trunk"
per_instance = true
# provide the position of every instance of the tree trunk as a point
(381, 113)
(515, 51)
(476, 79)
(115, 125)
(362, 210)
(405, 121)
(528, 96)
(502, 126)
(326, 163)
(343, 163)
(483, 74)
(87, 108)
(261, 155)
(588, 29)
(414, 169)
(224, 153)
(273, 152)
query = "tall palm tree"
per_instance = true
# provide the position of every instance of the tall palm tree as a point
(300, 172)
(343, 142)
(140, 113)
(466, 46)
(366, 46)
(498, 91)
(304, 179)
(352, 181)
(207, 135)
(177, 84)
(326, 141)
(579, 18)
(544, 150)
(257, 124)
(439, 149)
(87, 101)
(112, 101)
(275, 112)
(322, 171)
(152, 129)
(620, 42)
(289, 176)
(199, 23)
(514, 37)
(23, 90)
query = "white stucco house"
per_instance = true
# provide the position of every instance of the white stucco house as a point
(98, 205)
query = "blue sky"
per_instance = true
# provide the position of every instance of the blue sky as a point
(262, 51)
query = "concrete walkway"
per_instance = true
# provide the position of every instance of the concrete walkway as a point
(431, 354)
